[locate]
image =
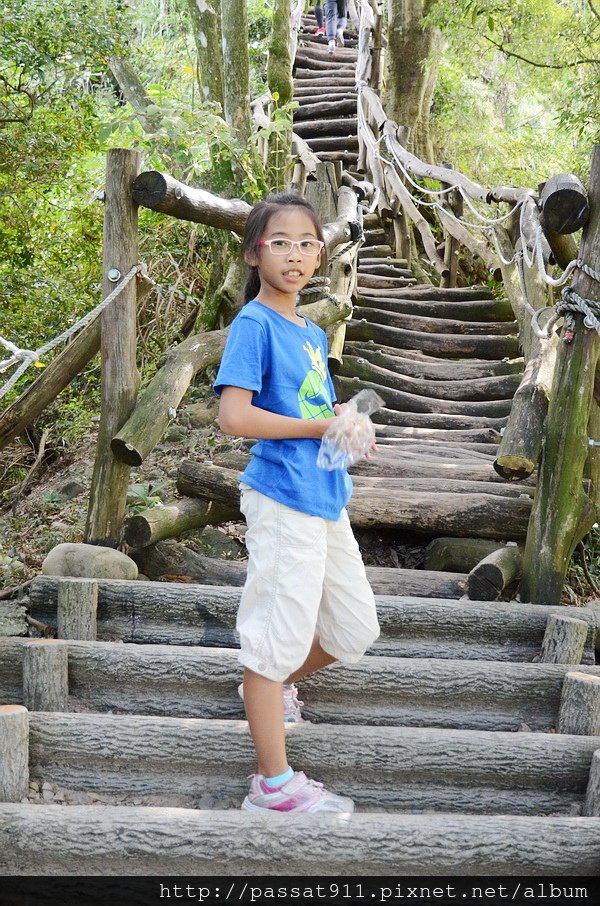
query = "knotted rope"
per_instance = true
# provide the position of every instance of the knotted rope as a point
(571, 305)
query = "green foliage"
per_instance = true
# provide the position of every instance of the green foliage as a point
(518, 88)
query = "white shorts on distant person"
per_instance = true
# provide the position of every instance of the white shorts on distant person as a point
(305, 578)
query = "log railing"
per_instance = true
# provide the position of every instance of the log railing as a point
(517, 247)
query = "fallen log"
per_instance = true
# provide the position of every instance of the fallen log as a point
(402, 361)
(161, 397)
(457, 554)
(410, 402)
(168, 559)
(439, 324)
(172, 520)
(495, 573)
(502, 387)
(443, 345)
(429, 512)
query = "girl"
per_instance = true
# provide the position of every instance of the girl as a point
(306, 602)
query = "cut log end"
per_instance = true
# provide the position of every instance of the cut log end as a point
(514, 468)
(125, 453)
(149, 188)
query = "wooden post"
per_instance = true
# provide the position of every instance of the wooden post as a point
(120, 379)
(14, 753)
(591, 808)
(453, 202)
(579, 712)
(564, 640)
(77, 609)
(45, 675)
(562, 512)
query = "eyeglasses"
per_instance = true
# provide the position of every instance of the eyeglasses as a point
(307, 247)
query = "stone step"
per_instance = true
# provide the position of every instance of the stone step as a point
(387, 691)
(176, 614)
(172, 762)
(158, 841)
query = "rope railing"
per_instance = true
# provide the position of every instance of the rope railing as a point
(28, 357)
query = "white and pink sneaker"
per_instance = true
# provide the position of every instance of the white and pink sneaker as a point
(299, 794)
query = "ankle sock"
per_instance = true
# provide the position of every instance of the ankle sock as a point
(280, 779)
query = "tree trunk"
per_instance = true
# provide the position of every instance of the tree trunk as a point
(206, 28)
(412, 61)
(135, 93)
(562, 512)
(279, 76)
(495, 573)
(236, 70)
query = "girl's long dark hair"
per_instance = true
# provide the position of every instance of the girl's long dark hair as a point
(256, 225)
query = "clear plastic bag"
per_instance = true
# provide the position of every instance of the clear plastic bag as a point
(350, 435)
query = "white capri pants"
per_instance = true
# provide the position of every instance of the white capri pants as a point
(305, 578)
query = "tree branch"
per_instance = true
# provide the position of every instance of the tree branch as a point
(511, 53)
(594, 10)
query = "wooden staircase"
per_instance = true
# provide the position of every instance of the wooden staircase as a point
(445, 735)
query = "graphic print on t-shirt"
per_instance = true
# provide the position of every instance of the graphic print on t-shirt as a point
(313, 388)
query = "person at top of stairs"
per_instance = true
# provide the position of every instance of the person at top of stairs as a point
(306, 602)
(335, 22)
(318, 11)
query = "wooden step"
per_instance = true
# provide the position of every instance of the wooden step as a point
(321, 108)
(180, 614)
(315, 128)
(173, 762)
(438, 344)
(434, 420)
(387, 691)
(192, 843)
(412, 402)
(375, 251)
(439, 324)
(467, 309)
(497, 387)
(415, 363)
(329, 143)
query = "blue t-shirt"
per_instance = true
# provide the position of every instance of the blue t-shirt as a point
(285, 366)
